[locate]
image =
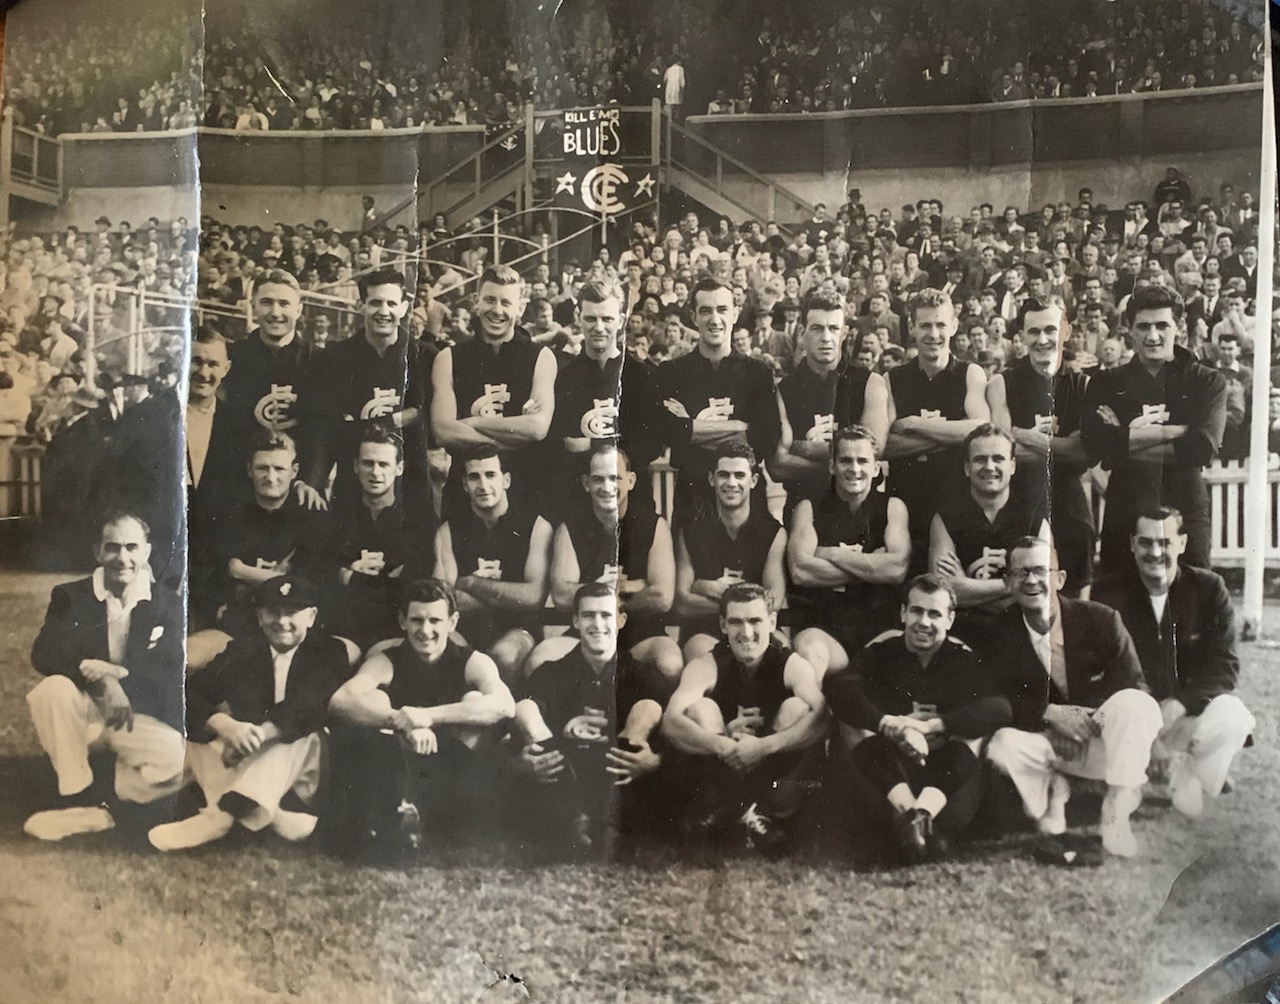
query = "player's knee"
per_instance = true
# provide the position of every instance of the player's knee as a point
(698, 646)
(1003, 747)
(52, 691)
(205, 646)
(510, 652)
(706, 714)
(1133, 705)
(789, 712)
(667, 659)
(1228, 713)
(353, 650)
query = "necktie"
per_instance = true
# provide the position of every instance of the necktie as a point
(1058, 668)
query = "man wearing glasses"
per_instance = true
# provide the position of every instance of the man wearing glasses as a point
(1080, 705)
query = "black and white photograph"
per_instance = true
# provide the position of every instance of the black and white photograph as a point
(699, 501)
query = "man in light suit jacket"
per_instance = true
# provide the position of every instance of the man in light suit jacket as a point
(1080, 705)
(254, 717)
(111, 652)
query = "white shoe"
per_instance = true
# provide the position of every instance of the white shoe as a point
(206, 826)
(294, 826)
(1054, 820)
(1185, 787)
(55, 824)
(1117, 807)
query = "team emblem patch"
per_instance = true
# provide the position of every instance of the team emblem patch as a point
(990, 566)
(272, 410)
(601, 421)
(490, 404)
(385, 400)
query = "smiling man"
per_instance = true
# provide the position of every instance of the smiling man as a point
(378, 376)
(1156, 422)
(752, 717)
(1080, 705)
(1183, 624)
(847, 553)
(587, 730)
(423, 717)
(495, 553)
(738, 541)
(110, 650)
(820, 397)
(254, 717)
(972, 532)
(1040, 401)
(935, 401)
(928, 703)
(498, 389)
(711, 397)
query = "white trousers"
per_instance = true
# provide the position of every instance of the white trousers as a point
(1129, 721)
(265, 777)
(69, 726)
(1211, 739)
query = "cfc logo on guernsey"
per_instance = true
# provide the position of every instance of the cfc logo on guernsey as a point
(490, 403)
(601, 421)
(990, 566)
(718, 408)
(383, 403)
(272, 410)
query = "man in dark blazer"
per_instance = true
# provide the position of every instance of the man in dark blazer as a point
(1080, 705)
(254, 717)
(110, 650)
(1183, 626)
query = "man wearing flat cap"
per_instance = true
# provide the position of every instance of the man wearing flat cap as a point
(254, 717)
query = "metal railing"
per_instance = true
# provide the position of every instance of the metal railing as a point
(493, 162)
(35, 159)
(731, 179)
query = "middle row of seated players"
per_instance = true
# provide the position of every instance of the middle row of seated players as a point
(1154, 422)
(1073, 689)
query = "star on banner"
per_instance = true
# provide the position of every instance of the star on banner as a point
(645, 185)
(564, 183)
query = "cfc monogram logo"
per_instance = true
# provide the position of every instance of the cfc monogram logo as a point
(489, 405)
(488, 568)
(990, 566)
(272, 411)
(718, 408)
(383, 403)
(601, 421)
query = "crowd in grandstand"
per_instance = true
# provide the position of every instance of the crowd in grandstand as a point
(793, 59)
(393, 517)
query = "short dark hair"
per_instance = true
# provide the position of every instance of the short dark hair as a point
(276, 277)
(737, 450)
(1159, 514)
(928, 297)
(382, 435)
(854, 434)
(983, 431)
(819, 299)
(708, 284)
(744, 592)
(597, 292)
(482, 452)
(380, 277)
(427, 591)
(589, 591)
(1027, 542)
(113, 516)
(500, 275)
(1033, 305)
(1153, 298)
(931, 585)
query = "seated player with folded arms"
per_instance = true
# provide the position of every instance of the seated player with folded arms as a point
(495, 554)
(416, 729)
(848, 552)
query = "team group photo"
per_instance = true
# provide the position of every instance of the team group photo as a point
(616, 500)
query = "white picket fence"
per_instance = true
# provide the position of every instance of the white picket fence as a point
(1226, 496)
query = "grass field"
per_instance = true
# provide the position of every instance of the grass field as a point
(260, 921)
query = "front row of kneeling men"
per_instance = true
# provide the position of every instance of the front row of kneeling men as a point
(427, 731)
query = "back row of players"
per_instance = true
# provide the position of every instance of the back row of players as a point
(344, 494)
(510, 525)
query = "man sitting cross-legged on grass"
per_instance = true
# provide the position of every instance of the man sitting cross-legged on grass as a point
(586, 724)
(930, 703)
(753, 717)
(1080, 705)
(420, 725)
(110, 649)
(254, 717)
